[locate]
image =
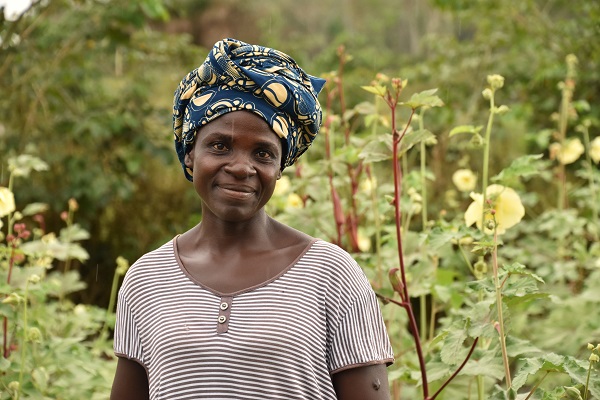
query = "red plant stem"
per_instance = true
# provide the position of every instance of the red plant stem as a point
(457, 371)
(398, 214)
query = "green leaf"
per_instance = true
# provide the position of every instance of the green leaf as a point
(4, 364)
(517, 347)
(523, 167)
(73, 233)
(414, 137)
(376, 90)
(426, 98)
(517, 268)
(488, 365)
(378, 149)
(35, 208)
(453, 350)
(23, 164)
(465, 129)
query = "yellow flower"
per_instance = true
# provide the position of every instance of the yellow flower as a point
(568, 154)
(282, 186)
(7, 201)
(507, 205)
(464, 179)
(366, 185)
(294, 201)
(595, 149)
(364, 242)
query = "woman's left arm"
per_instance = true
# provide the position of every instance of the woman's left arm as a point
(362, 383)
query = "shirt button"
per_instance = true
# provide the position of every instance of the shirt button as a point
(222, 319)
(224, 306)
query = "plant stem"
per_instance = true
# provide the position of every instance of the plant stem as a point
(486, 157)
(587, 382)
(499, 310)
(423, 174)
(111, 302)
(536, 386)
(457, 370)
(398, 215)
(423, 154)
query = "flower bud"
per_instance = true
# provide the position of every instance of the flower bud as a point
(487, 93)
(590, 346)
(12, 298)
(14, 386)
(594, 357)
(122, 265)
(34, 335)
(73, 205)
(495, 81)
(501, 110)
(34, 279)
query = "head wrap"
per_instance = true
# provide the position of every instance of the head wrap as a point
(240, 76)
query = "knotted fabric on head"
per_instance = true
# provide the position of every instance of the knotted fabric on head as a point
(239, 76)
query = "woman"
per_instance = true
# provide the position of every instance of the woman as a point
(242, 306)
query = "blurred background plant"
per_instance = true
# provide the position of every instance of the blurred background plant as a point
(86, 87)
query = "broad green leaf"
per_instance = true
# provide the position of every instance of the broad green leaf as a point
(517, 268)
(378, 149)
(414, 137)
(65, 283)
(426, 98)
(73, 233)
(34, 208)
(376, 90)
(523, 167)
(4, 364)
(517, 347)
(488, 365)
(23, 164)
(465, 129)
(453, 350)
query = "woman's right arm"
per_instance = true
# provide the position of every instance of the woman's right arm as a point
(131, 381)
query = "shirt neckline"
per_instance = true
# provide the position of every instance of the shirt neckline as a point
(245, 290)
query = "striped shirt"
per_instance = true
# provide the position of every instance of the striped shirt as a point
(279, 340)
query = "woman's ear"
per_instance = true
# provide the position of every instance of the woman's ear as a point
(188, 160)
(279, 175)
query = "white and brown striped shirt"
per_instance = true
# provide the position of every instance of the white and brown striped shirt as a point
(279, 340)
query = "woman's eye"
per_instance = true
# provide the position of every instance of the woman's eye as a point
(219, 146)
(264, 154)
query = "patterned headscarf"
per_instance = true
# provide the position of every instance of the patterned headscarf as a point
(240, 76)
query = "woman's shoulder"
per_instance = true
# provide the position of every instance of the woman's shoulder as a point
(153, 260)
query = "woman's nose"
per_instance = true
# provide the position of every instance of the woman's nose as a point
(240, 166)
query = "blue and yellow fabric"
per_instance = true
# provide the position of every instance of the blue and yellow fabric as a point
(240, 76)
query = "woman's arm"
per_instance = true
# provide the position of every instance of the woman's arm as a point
(362, 383)
(131, 381)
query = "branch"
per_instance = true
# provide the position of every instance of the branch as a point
(457, 371)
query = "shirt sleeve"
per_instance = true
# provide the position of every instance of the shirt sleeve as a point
(361, 337)
(127, 341)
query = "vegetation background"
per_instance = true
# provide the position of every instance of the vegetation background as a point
(86, 87)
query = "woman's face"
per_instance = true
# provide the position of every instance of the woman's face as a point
(236, 162)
